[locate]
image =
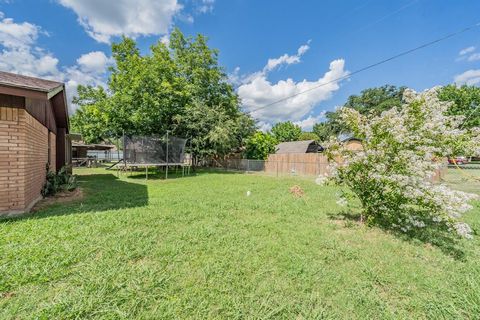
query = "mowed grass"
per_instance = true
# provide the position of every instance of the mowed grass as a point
(198, 247)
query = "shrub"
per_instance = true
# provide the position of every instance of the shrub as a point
(308, 136)
(392, 176)
(260, 145)
(286, 131)
(61, 181)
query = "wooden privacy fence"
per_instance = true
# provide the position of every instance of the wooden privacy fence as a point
(296, 164)
(304, 164)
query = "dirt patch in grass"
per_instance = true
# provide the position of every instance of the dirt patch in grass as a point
(6, 295)
(297, 191)
(61, 197)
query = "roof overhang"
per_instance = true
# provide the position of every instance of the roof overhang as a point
(23, 92)
(101, 147)
(56, 95)
(59, 103)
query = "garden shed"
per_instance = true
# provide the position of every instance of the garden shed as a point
(33, 135)
(306, 146)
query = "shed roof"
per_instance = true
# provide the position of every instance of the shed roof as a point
(345, 137)
(93, 146)
(304, 146)
(26, 82)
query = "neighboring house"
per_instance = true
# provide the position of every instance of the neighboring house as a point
(33, 134)
(306, 146)
(352, 143)
(81, 150)
(89, 154)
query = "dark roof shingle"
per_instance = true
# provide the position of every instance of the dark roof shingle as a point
(19, 81)
(296, 147)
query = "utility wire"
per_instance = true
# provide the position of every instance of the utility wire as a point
(456, 33)
(386, 16)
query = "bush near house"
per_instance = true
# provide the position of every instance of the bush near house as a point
(58, 181)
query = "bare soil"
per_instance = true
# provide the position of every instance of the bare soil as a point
(60, 197)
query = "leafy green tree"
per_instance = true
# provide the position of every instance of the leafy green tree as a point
(372, 101)
(178, 88)
(332, 126)
(260, 145)
(466, 102)
(286, 131)
(90, 120)
(376, 100)
(308, 136)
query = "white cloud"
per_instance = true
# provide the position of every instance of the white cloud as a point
(307, 123)
(286, 59)
(95, 61)
(104, 19)
(17, 35)
(205, 6)
(466, 51)
(474, 57)
(20, 54)
(470, 77)
(256, 92)
(264, 126)
(468, 54)
(259, 91)
(74, 76)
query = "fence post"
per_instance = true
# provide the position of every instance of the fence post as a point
(248, 165)
(276, 165)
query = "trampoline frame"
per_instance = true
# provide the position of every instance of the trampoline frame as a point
(126, 166)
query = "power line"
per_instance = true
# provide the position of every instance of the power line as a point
(371, 65)
(386, 16)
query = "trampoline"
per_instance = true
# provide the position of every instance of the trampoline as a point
(154, 151)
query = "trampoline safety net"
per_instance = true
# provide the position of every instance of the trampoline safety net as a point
(154, 149)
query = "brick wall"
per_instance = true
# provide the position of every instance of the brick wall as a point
(53, 151)
(23, 158)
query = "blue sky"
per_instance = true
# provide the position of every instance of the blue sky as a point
(271, 49)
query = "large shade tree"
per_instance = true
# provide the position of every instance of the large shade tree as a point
(260, 145)
(286, 131)
(372, 101)
(178, 87)
(465, 102)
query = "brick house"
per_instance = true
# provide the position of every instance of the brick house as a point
(33, 133)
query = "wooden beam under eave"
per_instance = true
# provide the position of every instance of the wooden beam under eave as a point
(54, 92)
(20, 92)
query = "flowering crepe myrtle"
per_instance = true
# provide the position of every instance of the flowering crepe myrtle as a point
(402, 151)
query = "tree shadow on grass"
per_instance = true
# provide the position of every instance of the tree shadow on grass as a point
(443, 240)
(102, 192)
(155, 174)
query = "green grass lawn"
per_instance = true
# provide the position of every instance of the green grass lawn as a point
(198, 247)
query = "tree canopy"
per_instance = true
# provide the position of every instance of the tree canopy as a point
(260, 145)
(372, 101)
(466, 102)
(178, 87)
(308, 136)
(286, 131)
